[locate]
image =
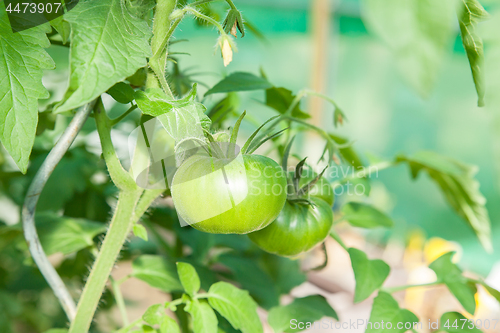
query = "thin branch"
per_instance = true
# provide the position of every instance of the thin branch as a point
(31, 200)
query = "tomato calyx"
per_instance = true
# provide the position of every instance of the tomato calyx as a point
(224, 146)
(295, 193)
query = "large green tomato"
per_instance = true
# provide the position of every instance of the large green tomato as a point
(298, 228)
(229, 196)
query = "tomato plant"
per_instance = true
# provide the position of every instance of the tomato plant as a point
(131, 172)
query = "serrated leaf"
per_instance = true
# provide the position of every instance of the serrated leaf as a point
(280, 99)
(253, 278)
(189, 278)
(470, 14)
(460, 188)
(365, 216)
(157, 271)
(66, 235)
(386, 308)
(108, 44)
(236, 306)
(417, 31)
(449, 273)
(462, 324)
(140, 231)
(239, 81)
(369, 274)
(204, 318)
(22, 62)
(122, 92)
(154, 314)
(306, 309)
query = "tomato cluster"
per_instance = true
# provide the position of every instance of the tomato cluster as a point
(226, 192)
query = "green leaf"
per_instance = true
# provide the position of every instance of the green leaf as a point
(236, 306)
(157, 271)
(365, 216)
(307, 309)
(280, 99)
(460, 188)
(154, 314)
(57, 330)
(189, 278)
(349, 155)
(108, 44)
(140, 231)
(253, 278)
(122, 92)
(204, 318)
(63, 28)
(239, 81)
(462, 324)
(224, 108)
(471, 13)
(449, 273)
(22, 62)
(66, 235)
(169, 325)
(418, 32)
(386, 308)
(369, 274)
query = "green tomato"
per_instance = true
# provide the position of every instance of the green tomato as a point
(298, 228)
(224, 196)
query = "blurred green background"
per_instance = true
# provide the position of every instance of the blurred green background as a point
(385, 115)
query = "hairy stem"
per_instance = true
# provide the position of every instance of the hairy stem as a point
(115, 286)
(29, 207)
(119, 229)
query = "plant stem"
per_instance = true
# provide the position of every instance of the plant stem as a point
(399, 288)
(125, 114)
(119, 176)
(364, 172)
(161, 28)
(118, 231)
(115, 286)
(31, 200)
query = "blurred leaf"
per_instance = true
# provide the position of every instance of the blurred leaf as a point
(454, 322)
(386, 308)
(138, 79)
(470, 14)
(365, 216)
(22, 62)
(46, 121)
(349, 155)
(286, 273)
(154, 314)
(492, 291)
(224, 108)
(169, 325)
(250, 275)
(369, 274)
(418, 31)
(140, 8)
(57, 330)
(114, 49)
(157, 271)
(140, 231)
(204, 318)
(460, 188)
(239, 81)
(189, 278)
(449, 273)
(280, 99)
(122, 92)
(66, 235)
(307, 309)
(236, 306)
